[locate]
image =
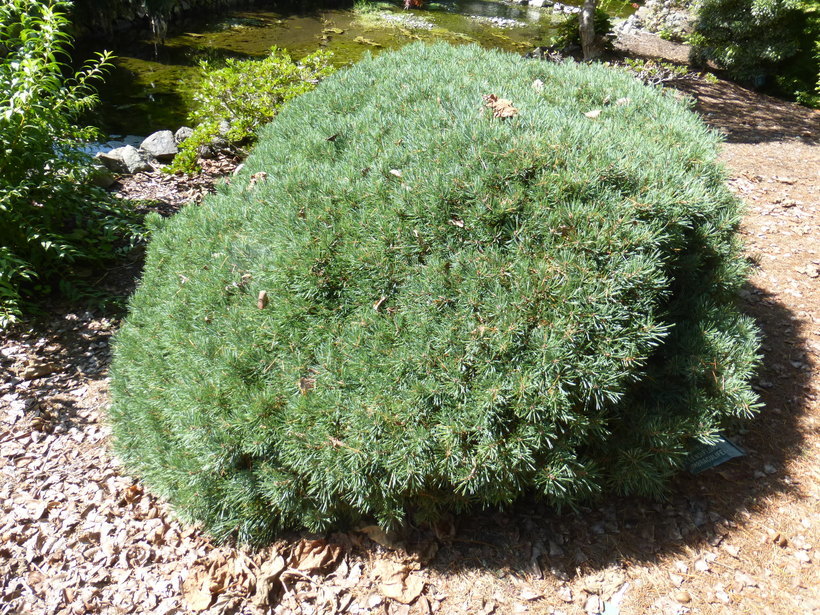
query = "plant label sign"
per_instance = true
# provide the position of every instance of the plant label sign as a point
(705, 456)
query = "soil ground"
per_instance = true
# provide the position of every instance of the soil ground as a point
(77, 536)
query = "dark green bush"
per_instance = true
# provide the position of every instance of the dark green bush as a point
(460, 308)
(52, 218)
(776, 40)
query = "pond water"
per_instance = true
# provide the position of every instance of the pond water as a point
(149, 88)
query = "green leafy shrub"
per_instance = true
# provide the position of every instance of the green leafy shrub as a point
(670, 35)
(800, 77)
(52, 218)
(756, 39)
(245, 94)
(567, 33)
(368, 7)
(404, 305)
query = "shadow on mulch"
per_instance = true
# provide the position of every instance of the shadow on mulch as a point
(746, 116)
(71, 343)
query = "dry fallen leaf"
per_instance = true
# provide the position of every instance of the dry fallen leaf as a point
(132, 493)
(353, 577)
(593, 114)
(262, 300)
(315, 555)
(306, 385)
(256, 178)
(423, 606)
(37, 369)
(219, 572)
(501, 107)
(197, 590)
(243, 572)
(225, 605)
(267, 581)
(397, 581)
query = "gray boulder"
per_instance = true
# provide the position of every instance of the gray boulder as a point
(126, 159)
(101, 176)
(160, 145)
(210, 150)
(182, 133)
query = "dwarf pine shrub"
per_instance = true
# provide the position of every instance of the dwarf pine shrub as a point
(404, 305)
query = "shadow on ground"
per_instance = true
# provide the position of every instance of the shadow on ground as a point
(746, 116)
(742, 114)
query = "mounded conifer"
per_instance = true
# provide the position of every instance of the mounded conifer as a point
(404, 305)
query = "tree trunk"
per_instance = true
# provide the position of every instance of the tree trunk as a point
(159, 27)
(587, 31)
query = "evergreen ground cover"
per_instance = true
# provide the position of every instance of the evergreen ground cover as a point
(405, 305)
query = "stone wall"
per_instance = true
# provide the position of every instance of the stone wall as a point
(672, 19)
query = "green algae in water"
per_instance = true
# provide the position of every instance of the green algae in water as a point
(150, 88)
